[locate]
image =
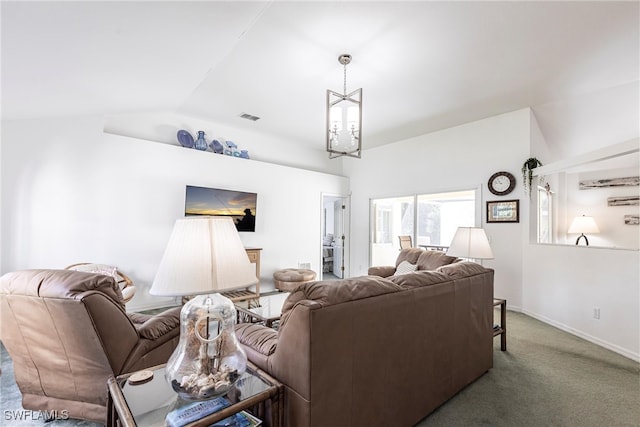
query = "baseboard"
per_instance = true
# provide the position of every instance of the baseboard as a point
(609, 346)
(514, 308)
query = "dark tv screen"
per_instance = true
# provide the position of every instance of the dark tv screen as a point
(239, 205)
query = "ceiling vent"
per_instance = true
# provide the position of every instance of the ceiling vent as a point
(249, 117)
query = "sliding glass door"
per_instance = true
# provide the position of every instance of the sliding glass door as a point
(430, 220)
(392, 217)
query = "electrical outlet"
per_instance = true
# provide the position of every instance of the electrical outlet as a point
(596, 313)
(304, 265)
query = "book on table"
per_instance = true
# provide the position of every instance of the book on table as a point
(198, 410)
(241, 419)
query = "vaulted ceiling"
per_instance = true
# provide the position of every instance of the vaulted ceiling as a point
(423, 66)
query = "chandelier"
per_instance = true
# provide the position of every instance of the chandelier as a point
(344, 119)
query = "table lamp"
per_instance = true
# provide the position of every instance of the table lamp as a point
(470, 242)
(204, 256)
(583, 224)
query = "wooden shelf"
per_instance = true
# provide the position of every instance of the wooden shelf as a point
(246, 294)
(240, 295)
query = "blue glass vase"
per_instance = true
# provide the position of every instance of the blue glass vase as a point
(200, 143)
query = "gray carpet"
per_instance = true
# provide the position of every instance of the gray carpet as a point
(546, 378)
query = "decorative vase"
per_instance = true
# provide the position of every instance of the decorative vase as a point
(244, 154)
(200, 143)
(231, 148)
(216, 146)
(208, 359)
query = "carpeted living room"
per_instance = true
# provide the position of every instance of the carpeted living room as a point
(333, 213)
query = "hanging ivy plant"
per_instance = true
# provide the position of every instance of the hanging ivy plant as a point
(527, 172)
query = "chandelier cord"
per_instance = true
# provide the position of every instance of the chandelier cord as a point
(345, 80)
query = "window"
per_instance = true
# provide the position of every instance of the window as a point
(430, 219)
(545, 216)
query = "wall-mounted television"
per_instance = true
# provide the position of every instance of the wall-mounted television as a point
(239, 205)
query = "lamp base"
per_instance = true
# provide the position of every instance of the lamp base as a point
(585, 239)
(208, 359)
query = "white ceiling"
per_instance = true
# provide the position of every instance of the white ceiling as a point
(423, 66)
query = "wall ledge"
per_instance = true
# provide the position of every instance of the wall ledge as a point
(580, 247)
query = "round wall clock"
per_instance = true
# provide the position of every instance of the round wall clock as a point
(502, 183)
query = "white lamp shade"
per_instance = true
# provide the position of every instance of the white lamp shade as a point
(204, 255)
(470, 242)
(583, 224)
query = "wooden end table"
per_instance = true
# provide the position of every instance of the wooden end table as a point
(501, 329)
(149, 403)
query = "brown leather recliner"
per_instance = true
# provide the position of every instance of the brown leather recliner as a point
(67, 332)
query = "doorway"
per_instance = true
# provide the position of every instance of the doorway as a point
(334, 232)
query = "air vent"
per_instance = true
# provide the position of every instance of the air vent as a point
(249, 117)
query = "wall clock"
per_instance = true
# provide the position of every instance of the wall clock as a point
(502, 183)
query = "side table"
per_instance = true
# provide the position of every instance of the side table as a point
(268, 311)
(149, 403)
(501, 329)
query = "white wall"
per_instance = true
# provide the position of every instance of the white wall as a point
(564, 283)
(459, 158)
(71, 193)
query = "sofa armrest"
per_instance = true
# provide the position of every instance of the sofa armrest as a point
(259, 338)
(382, 271)
(159, 325)
(138, 318)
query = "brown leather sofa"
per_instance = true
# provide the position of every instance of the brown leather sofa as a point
(67, 332)
(373, 351)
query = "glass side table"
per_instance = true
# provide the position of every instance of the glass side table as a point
(147, 404)
(268, 310)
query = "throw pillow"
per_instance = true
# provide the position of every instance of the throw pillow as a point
(106, 270)
(405, 267)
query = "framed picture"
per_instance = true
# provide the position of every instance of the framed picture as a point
(503, 211)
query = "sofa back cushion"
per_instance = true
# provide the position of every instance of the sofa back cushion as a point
(420, 278)
(462, 269)
(442, 274)
(410, 255)
(430, 260)
(336, 292)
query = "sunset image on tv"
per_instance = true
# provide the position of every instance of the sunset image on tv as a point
(239, 205)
